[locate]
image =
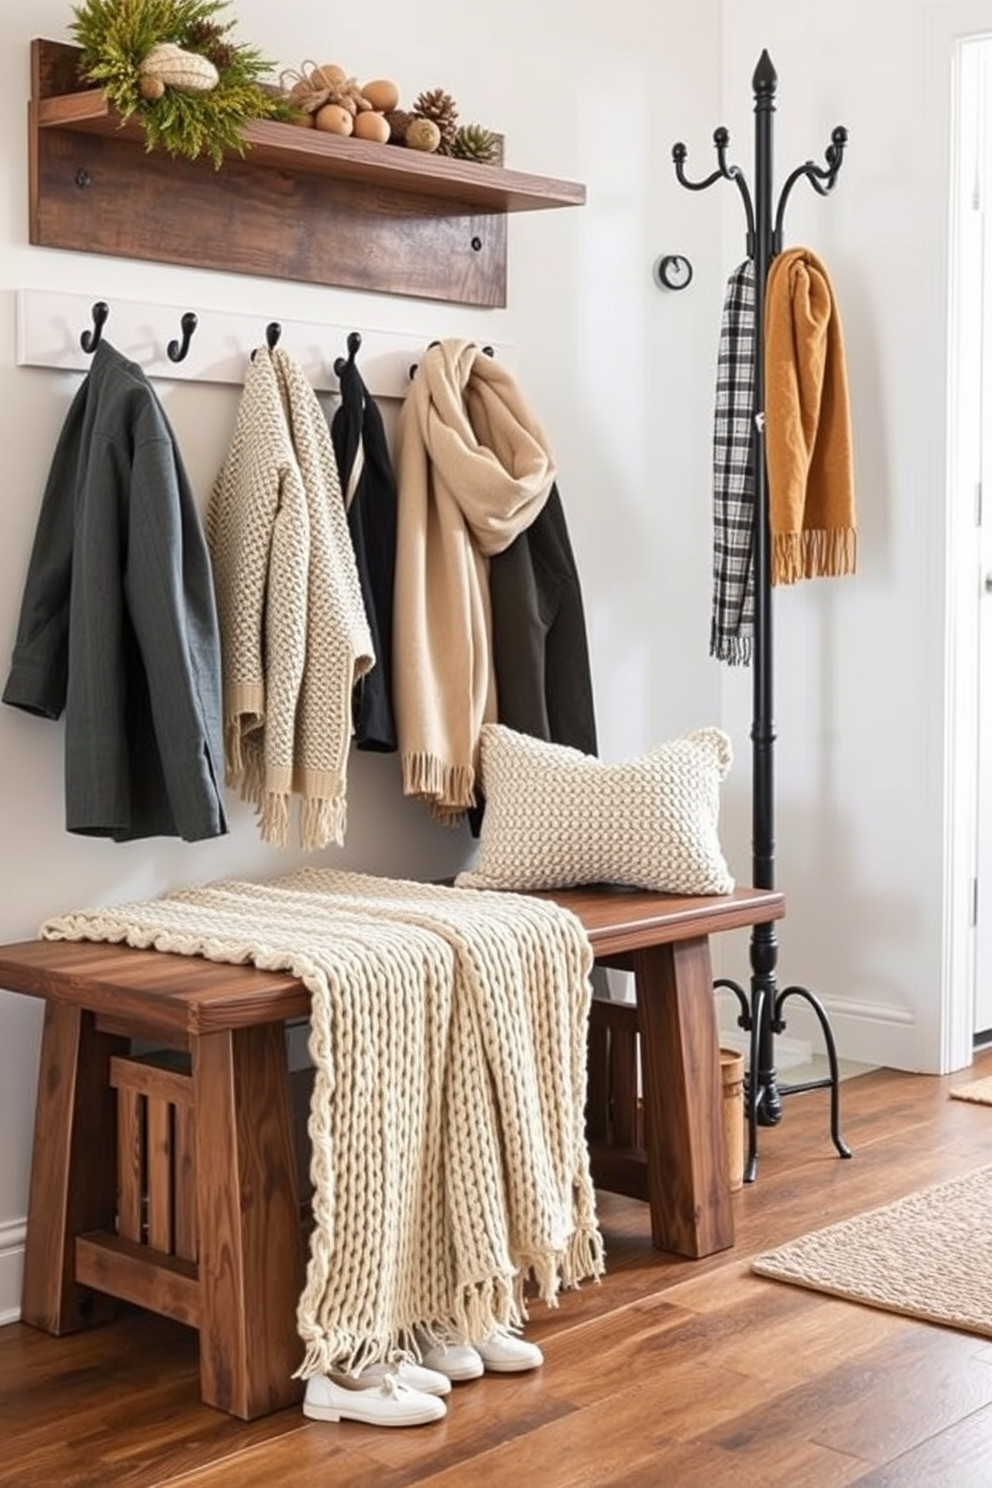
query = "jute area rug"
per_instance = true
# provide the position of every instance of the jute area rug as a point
(979, 1091)
(928, 1255)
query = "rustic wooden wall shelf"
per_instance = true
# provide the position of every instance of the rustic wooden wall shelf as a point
(299, 205)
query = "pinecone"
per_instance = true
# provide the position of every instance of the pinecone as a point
(475, 142)
(397, 119)
(208, 39)
(438, 105)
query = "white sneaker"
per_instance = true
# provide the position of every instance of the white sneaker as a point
(388, 1403)
(502, 1353)
(429, 1381)
(505, 1353)
(457, 1361)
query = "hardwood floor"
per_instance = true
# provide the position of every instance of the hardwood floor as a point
(670, 1374)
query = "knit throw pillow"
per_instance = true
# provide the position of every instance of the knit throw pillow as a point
(556, 818)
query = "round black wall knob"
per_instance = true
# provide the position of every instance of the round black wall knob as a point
(673, 271)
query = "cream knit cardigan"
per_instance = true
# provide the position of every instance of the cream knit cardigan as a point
(294, 632)
(448, 1034)
(473, 470)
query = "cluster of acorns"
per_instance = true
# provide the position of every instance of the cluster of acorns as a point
(325, 97)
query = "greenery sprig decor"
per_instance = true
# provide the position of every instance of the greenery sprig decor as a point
(174, 65)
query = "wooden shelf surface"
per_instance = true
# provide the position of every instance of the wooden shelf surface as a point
(465, 184)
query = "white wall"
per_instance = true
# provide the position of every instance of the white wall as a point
(619, 371)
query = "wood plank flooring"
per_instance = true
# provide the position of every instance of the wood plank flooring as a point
(671, 1374)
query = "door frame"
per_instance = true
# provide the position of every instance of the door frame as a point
(964, 26)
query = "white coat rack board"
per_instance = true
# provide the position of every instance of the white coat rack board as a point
(51, 325)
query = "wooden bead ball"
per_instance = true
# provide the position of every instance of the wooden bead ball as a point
(382, 93)
(334, 119)
(371, 125)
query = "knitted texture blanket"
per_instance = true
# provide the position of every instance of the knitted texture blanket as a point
(473, 470)
(732, 619)
(811, 517)
(294, 632)
(448, 1034)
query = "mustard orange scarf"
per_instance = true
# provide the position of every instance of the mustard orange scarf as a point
(811, 513)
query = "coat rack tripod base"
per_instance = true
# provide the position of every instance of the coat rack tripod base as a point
(761, 1007)
(761, 1017)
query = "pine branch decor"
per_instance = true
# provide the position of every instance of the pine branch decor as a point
(157, 59)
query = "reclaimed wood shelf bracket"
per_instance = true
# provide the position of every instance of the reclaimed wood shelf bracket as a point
(298, 205)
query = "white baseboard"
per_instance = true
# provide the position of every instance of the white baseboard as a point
(789, 1052)
(12, 1238)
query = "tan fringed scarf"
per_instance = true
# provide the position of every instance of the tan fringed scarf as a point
(473, 470)
(448, 1032)
(294, 633)
(811, 515)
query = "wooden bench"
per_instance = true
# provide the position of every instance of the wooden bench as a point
(170, 1181)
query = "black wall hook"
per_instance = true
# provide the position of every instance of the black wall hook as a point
(414, 365)
(177, 350)
(489, 351)
(90, 340)
(272, 333)
(354, 344)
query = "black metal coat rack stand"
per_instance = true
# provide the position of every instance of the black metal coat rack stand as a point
(762, 1011)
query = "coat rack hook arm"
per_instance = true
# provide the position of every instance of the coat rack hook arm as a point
(723, 172)
(272, 333)
(90, 339)
(176, 350)
(823, 179)
(680, 155)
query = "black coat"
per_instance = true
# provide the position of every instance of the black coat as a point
(540, 648)
(118, 626)
(368, 485)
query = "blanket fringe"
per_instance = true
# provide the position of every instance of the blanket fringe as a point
(585, 1258)
(483, 1308)
(340, 1352)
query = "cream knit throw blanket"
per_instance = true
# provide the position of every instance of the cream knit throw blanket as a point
(473, 470)
(294, 633)
(447, 1122)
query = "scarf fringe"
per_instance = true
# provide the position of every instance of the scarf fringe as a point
(450, 789)
(273, 811)
(735, 650)
(244, 762)
(322, 822)
(816, 553)
(234, 763)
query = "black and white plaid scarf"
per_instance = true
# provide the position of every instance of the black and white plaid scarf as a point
(732, 623)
